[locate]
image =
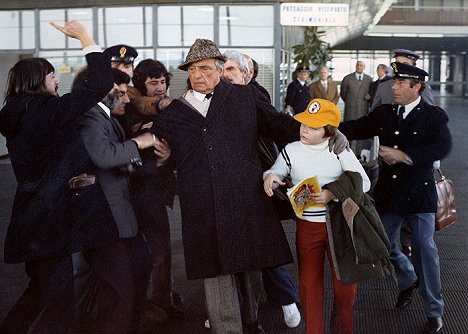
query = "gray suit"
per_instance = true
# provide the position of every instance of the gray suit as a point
(352, 92)
(107, 148)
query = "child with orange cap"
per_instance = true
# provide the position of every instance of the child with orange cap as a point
(311, 157)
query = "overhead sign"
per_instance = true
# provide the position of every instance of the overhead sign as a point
(314, 14)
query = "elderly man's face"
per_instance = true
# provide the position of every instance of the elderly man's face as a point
(323, 73)
(233, 74)
(360, 67)
(204, 76)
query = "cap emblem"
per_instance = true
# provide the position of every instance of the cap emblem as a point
(123, 51)
(314, 107)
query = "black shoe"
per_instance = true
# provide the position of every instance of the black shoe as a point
(407, 251)
(253, 328)
(405, 297)
(435, 325)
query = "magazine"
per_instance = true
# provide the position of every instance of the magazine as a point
(299, 195)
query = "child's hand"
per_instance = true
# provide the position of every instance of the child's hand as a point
(322, 197)
(268, 182)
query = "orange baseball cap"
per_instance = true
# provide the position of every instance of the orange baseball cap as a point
(319, 113)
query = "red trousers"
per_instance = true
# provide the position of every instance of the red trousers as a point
(311, 245)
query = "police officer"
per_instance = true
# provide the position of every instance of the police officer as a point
(412, 134)
(297, 95)
(122, 57)
(383, 94)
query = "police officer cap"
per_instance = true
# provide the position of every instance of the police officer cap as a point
(405, 53)
(302, 68)
(122, 53)
(405, 71)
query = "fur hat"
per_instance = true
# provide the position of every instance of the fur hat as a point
(319, 113)
(202, 49)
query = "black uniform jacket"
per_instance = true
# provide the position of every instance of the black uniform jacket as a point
(228, 222)
(424, 137)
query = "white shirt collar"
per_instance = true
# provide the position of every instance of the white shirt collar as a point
(411, 106)
(301, 82)
(105, 108)
(357, 75)
(199, 96)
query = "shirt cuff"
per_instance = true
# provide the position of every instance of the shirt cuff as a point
(408, 160)
(91, 49)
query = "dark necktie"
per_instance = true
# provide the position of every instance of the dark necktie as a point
(359, 76)
(208, 96)
(401, 111)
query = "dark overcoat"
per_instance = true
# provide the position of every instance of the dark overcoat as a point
(39, 134)
(228, 222)
(424, 137)
(297, 96)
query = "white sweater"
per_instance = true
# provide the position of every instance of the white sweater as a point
(316, 160)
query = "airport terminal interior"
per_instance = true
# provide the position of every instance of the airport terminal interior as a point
(164, 30)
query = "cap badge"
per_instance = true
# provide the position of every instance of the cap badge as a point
(395, 68)
(314, 108)
(123, 51)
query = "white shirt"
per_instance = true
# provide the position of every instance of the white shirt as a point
(198, 101)
(357, 76)
(410, 106)
(324, 84)
(105, 108)
(317, 160)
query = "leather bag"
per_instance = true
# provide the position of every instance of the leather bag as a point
(446, 213)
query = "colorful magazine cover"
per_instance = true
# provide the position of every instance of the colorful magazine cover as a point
(299, 195)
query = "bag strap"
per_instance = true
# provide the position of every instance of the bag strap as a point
(442, 177)
(285, 156)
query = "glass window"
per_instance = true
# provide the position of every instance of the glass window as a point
(246, 25)
(180, 26)
(29, 30)
(148, 26)
(123, 25)
(51, 38)
(9, 30)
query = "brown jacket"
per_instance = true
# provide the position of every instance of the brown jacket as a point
(316, 91)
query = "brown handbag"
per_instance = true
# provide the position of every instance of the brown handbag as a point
(446, 210)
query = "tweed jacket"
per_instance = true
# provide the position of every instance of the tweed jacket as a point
(297, 96)
(37, 129)
(352, 92)
(107, 148)
(359, 252)
(424, 137)
(228, 222)
(316, 91)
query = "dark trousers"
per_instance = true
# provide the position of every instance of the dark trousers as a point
(158, 237)
(279, 286)
(51, 284)
(119, 276)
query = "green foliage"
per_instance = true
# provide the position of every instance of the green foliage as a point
(314, 53)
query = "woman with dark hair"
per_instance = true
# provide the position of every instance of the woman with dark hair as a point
(38, 124)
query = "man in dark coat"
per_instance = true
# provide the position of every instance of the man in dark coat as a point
(228, 223)
(413, 134)
(49, 220)
(297, 94)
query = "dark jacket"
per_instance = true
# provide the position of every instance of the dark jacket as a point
(40, 142)
(297, 96)
(228, 222)
(362, 254)
(424, 137)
